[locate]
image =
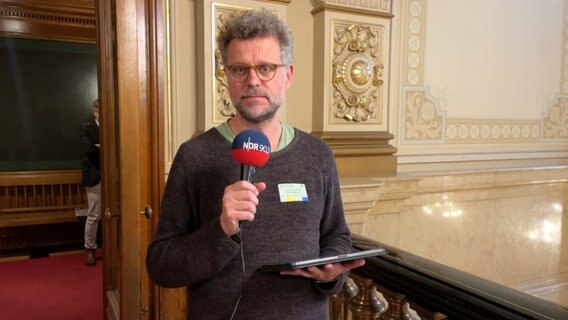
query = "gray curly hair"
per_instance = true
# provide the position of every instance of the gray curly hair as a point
(248, 24)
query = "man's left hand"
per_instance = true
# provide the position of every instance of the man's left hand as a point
(327, 272)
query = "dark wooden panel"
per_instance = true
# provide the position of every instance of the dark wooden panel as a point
(35, 207)
(27, 238)
(46, 92)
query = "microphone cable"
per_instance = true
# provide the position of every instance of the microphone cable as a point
(240, 235)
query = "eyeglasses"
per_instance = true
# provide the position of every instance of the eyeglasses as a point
(265, 71)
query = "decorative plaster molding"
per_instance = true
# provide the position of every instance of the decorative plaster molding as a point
(376, 5)
(357, 72)
(423, 121)
(555, 123)
(413, 42)
(358, 143)
(491, 131)
(366, 7)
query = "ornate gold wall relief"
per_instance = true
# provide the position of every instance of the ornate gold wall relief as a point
(351, 84)
(223, 102)
(357, 73)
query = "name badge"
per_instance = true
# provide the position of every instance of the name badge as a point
(293, 192)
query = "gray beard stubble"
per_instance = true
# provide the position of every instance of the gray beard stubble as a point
(275, 104)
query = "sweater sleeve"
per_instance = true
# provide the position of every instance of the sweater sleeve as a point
(91, 151)
(186, 251)
(335, 237)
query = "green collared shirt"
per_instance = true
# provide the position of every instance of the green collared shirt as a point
(285, 138)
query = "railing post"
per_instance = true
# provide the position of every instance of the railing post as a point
(396, 301)
(365, 305)
(338, 305)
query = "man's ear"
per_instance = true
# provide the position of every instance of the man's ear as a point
(289, 76)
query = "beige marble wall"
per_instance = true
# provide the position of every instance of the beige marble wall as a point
(507, 226)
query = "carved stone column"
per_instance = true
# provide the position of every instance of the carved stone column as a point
(351, 84)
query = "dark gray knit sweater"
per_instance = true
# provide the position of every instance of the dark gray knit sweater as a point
(190, 248)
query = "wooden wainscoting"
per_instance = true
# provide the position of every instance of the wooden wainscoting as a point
(37, 208)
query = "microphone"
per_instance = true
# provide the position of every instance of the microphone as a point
(251, 149)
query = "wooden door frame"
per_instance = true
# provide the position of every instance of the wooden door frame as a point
(110, 181)
(139, 39)
(138, 27)
(139, 98)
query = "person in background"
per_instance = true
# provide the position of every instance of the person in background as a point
(215, 232)
(91, 179)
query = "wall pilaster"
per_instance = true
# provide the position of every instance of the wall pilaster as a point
(351, 84)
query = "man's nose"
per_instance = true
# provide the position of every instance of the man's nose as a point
(252, 79)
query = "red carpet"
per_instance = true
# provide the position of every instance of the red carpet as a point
(59, 287)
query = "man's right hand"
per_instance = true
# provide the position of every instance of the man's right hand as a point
(239, 203)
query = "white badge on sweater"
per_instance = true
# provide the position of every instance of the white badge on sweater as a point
(293, 192)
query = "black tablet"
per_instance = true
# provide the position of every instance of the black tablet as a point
(324, 260)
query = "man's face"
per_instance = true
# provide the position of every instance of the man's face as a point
(257, 100)
(96, 113)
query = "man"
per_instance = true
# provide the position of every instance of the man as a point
(91, 179)
(216, 232)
